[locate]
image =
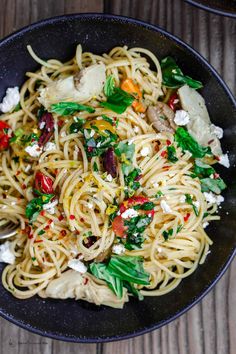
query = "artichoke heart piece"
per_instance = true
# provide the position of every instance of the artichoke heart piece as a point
(80, 87)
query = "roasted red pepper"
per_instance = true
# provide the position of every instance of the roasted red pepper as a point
(173, 101)
(43, 183)
(4, 135)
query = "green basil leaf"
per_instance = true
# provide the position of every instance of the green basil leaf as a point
(129, 268)
(100, 271)
(190, 202)
(187, 142)
(166, 234)
(126, 149)
(132, 290)
(118, 101)
(148, 206)
(213, 185)
(76, 126)
(34, 207)
(173, 77)
(68, 108)
(109, 86)
(171, 154)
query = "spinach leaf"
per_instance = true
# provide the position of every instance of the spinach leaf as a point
(125, 151)
(173, 77)
(129, 268)
(109, 86)
(213, 185)
(117, 99)
(190, 202)
(131, 179)
(68, 108)
(171, 154)
(34, 207)
(167, 233)
(135, 229)
(100, 271)
(132, 290)
(187, 142)
(22, 139)
(202, 170)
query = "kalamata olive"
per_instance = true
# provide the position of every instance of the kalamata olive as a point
(46, 124)
(89, 241)
(109, 162)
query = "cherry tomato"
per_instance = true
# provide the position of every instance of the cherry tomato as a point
(172, 101)
(4, 136)
(43, 183)
(118, 226)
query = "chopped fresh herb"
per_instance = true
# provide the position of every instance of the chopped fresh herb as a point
(158, 195)
(40, 112)
(109, 120)
(22, 139)
(147, 206)
(173, 77)
(17, 108)
(132, 290)
(171, 154)
(213, 185)
(41, 232)
(33, 259)
(97, 146)
(100, 271)
(187, 142)
(131, 182)
(190, 202)
(16, 159)
(167, 234)
(95, 167)
(68, 108)
(34, 207)
(135, 229)
(129, 268)
(117, 99)
(76, 126)
(179, 228)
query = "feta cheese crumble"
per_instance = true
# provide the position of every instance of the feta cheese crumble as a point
(11, 99)
(145, 151)
(63, 134)
(27, 168)
(6, 254)
(129, 213)
(165, 207)
(182, 199)
(118, 249)
(34, 150)
(205, 224)
(89, 205)
(218, 131)
(50, 146)
(77, 265)
(136, 129)
(50, 207)
(181, 117)
(212, 198)
(109, 178)
(41, 125)
(224, 160)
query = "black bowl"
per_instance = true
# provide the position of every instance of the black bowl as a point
(80, 321)
(219, 7)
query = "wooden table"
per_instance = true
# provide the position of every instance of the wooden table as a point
(210, 327)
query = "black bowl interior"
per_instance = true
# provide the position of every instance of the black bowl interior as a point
(80, 321)
(220, 7)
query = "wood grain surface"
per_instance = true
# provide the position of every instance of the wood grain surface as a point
(210, 326)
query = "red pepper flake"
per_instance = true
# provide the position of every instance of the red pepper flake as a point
(77, 232)
(82, 219)
(60, 217)
(186, 217)
(85, 281)
(47, 227)
(17, 173)
(90, 148)
(163, 153)
(166, 167)
(38, 241)
(168, 142)
(217, 158)
(23, 186)
(60, 123)
(30, 236)
(63, 232)
(72, 217)
(50, 221)
(216, 175)
(42, 212)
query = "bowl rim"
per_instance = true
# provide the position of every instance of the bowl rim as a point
(222, 270)
(214, 10)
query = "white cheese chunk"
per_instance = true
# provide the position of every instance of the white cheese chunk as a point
(11, 99)
(6, 254)
(182, 198)
(50, 146)
(118, 249)
(205, 224)
(77, 265)
(34, 150)
(165, 207)
(145, 151)
(109, 178)
(224, 160)
(181, 117)
(129, 213)
(50, 207)
(212, 198)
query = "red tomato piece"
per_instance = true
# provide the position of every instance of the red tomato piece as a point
(118, 226)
